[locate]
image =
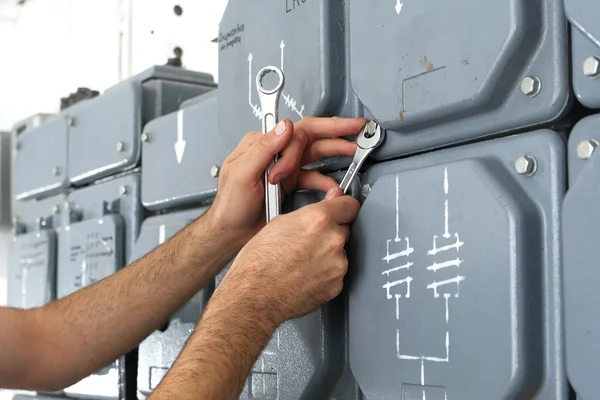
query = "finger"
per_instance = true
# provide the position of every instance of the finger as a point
(327, 148)
(260, 150)
(343, 209)
(311, 180)
(320, 128)
(289, 159)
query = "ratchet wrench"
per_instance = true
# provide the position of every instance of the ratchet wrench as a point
(368, 140)
(269, 104)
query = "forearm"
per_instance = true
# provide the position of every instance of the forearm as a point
(87, 330)
(220, 353)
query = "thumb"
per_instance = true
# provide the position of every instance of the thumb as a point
(260, 154)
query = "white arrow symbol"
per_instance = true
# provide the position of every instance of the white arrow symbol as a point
(399, 6)
(282, 46)
(180, 143)
(162, 235)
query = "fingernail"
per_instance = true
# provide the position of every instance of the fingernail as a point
(330, 193)
(278, 178)
(280, 128)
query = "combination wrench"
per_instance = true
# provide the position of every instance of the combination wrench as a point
(369, 139)
(269, 104)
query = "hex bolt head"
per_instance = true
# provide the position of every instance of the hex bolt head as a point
(120, 146)
(526, 165)
(67, 206)
(591, 67)
(123, 190)
(214, 171)
(146, 137)
(366, 190)
(586, 148)
(56, 171)
(55, 209)
(371, 129)
(71, 121)
(531, 86)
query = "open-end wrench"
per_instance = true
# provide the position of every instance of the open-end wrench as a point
(269, 104)
(368, 140)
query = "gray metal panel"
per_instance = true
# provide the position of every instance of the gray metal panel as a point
(32, 269)
(158, 352)
(431, 80)
(580, 245)
(89, 251)
(120, 196)
(6, 198)
(164, 97)
(306, 42)
(166, 182)
(585, 40)
(40, 160)
(305, 357)
(455, 275)
(33, 215)
(99, 124)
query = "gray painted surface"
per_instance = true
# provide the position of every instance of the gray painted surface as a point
(158, 352)
(168, 183)
(585, 42)
(308, 40)
(40, 161)
(429, 78)
(580, 243)
(101, 123)
(494, 260)
(32, 269)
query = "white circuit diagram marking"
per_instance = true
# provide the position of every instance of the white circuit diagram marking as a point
(289, 100)
(439, 287)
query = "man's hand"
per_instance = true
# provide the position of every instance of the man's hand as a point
(239, 205)
(297, 262)
(294, 265)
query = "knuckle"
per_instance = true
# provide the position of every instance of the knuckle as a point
(319, 218)
(338, 241)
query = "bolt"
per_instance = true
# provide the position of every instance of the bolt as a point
(586, 148)
(56, 171)
(120, 146)
(214, 171)
(526, 165)
(68, 205)
(55, 209)
(146, 137)
(123, 190)
(371, 129)
(531, 86)
(71, 121)
(366, 190)
(591, 67)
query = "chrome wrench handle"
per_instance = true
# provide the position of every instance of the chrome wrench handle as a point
(269, 104)
(368, 140)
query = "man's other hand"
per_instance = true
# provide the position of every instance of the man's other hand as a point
(240, 204)
(295, 264)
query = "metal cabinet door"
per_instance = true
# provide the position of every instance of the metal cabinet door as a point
(581, 223)
(305, 39)
(585, 50)
(424, 72)
(455, 274)
(40, 167)
(182, 155)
